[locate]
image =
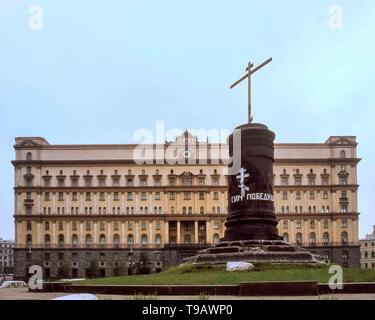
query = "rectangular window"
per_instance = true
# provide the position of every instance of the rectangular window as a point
(201, 181)
(74, 196)
(312, 224)
(115, 182)
(312, 195)
(61, 196)
(201, 195)
(143, 182)
(157, 225)
(298, 181)
(285, 195)
(130, 225)
(88, 196)
(157, 195)
(298, 195)
(101, 196)
(130, 196)
(115, 196)
(130, 182)
(101, 182)
(172, 195)
(143, 196)
(186, 195)
(157, 182)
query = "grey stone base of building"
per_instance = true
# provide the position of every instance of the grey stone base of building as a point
(264, 251)
(344, 255)
(115, 261)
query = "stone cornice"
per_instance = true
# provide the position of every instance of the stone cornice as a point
(109, 162)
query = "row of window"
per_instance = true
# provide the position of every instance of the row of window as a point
(117, 210)
(312, 209)
(187, 226)
(312, 195)
(116, 239)
(312, 237)
(285, 223)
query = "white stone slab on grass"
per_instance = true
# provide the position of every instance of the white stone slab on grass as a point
(239, 266)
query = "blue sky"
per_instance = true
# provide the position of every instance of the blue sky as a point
(100, 70)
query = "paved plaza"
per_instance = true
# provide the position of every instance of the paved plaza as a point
(24, 294)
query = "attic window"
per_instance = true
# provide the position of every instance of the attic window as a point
(342, 154)
(28, 156)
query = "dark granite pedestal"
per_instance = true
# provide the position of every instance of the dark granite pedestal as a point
(261, 251)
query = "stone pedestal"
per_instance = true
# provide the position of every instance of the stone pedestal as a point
(263, 251)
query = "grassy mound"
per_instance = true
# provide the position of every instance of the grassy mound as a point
(216, 275)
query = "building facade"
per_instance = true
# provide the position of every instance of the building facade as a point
(113, 203)
(368, 251)
(6, 256)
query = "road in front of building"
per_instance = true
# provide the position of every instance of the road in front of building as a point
(24, 294)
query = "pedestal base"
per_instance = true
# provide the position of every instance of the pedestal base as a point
(264, 251)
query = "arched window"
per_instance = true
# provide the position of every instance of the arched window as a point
(325, 237)
(29, 239)
(61, 239)
(132, 210)
(285, 237)
(190, 210)
(47, 239)
(201, 210)
(184, 210)
(158, 239)
(187, 239)
(88, 240)
(28, 156)
(312, 238)
(130, 239)
(102, 239)
(344, 237)
(116, 239)
(213, 210)
(299, 238)
(160, 210)
(74, 239)
(218, 210)
(144, 240)
(216, 238)
(342, 154)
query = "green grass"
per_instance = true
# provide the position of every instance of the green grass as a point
(216, 275)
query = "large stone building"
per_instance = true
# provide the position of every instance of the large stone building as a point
(76, 203)
(368, 251)
(6, 256)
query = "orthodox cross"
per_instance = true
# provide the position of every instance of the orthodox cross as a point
(242, 177)
(248, 75)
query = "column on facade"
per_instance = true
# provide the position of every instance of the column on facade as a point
(334, 230)
(150, 233)
(109, 209)
(319, 236)
(81, 233)
(136, 233)
(122, 203)
(53, 203)
(68, 232)
(80, 203)
(208, 232)
(109, 234)
(122, 232)
(38, 227)
(166, 232)
(150, 209)
(196, 241)
(95, 202)
(38, 204)
(195, 203)
(54, 233)
(292, 236)
(136, 203)
(67, 204)
(178, 203)
(178, 232)
(95, 232)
